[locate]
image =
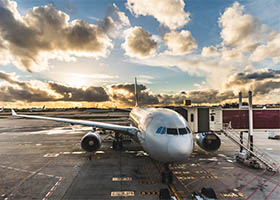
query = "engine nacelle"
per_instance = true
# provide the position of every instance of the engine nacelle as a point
(208, 141)
(91, 141)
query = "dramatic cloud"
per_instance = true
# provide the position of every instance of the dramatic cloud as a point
(114, 21)
(264, 83)
(180, 43)
(244, 33)
(90, 94)
(12, 90)
(139, 43)
(256, 75)
(238, 29)
(124, 94)
(169, 13)
(45, 33)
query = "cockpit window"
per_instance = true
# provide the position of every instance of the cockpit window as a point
(182, 131)
(159, 130)
(172, 131)
(189, 130)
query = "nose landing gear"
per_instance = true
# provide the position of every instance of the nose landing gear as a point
(166, 175)
(117, 142)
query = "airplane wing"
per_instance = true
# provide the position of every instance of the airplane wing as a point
(124, 129)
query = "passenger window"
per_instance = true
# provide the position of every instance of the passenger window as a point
(192, 117)
(182, 131)
(212, 118)
(172, 131)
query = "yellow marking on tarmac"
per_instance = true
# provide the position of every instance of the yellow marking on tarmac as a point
(186, 177)
(122, 194)
(121, 179)
(181, 172)
(148, 182)
(174, 192)
(149, 193)
(229, 195)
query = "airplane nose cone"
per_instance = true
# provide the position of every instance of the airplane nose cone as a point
(180, 148)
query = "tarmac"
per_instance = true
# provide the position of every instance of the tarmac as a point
(43, 160)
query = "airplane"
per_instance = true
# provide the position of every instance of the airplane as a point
(37, 109)
(163, 133)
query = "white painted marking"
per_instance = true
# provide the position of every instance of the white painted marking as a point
(99, 152)
(78, 152)
(51, 155)
(227, 167)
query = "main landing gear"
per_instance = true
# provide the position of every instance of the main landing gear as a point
(166, 175)
(117, 142)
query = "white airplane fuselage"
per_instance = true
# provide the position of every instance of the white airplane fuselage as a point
(165, 147)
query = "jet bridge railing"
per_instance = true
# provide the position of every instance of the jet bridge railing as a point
(254, 151)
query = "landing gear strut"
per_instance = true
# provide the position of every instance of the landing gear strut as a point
(166, 175)
(117, 142)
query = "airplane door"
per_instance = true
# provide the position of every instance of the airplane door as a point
(203, 119)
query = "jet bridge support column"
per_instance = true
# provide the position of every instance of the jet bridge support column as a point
(241, 141)
(250, 110)
(251, 131)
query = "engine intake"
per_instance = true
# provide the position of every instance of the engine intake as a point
(91, 141)
(208, 141)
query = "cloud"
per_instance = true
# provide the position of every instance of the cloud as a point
(263, 82)
(244, 38)
(169, 13)
(266, 87)
(90, 94)
(139, 43)
(210, 51)
(238, 29)
(12, 90)
(254, 75)
(244, 33)
(124, 94)
(46, 33)
(115, 21)
(269, 50)
(180, 43)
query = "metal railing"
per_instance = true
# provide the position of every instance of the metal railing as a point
(263, 157)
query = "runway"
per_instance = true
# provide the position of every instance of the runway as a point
(44, 160)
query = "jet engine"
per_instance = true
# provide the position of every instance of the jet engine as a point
(208, 141)
(91, 141)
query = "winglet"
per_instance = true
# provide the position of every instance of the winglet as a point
(14, 113)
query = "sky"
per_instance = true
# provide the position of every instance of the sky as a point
(69, 53)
